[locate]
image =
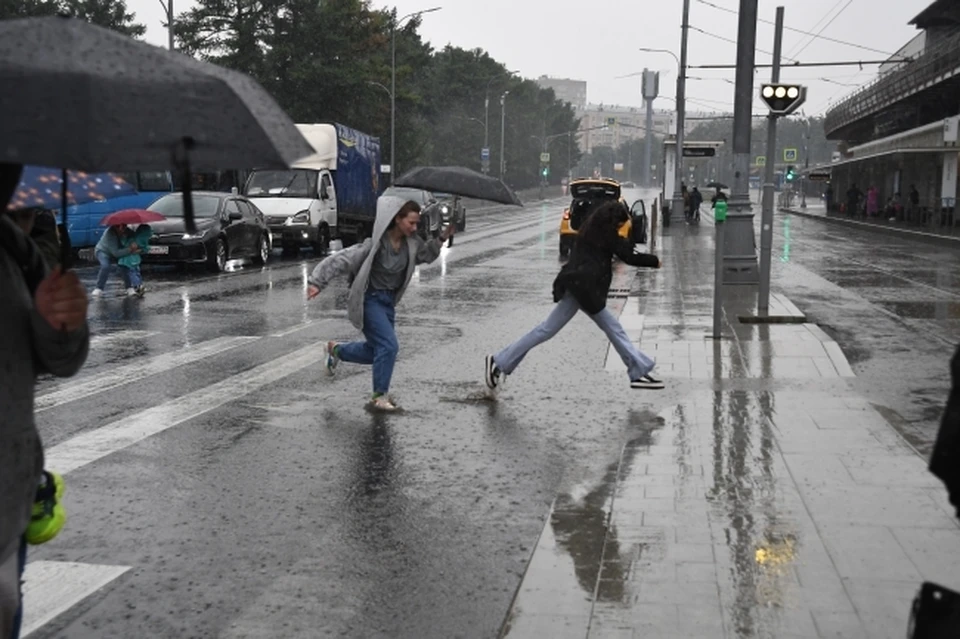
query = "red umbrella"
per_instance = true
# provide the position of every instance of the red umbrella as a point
(131, 216)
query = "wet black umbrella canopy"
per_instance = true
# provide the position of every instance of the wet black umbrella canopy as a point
(83, 97)
(458, 180)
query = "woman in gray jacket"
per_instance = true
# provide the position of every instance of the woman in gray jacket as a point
(380, 270)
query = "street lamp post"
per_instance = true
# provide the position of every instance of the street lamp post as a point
(168, 11)
(503, 123)
(393, 87)
(681, 107)
(486, 114)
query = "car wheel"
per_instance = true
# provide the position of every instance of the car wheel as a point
(218, 258)
(263, 250)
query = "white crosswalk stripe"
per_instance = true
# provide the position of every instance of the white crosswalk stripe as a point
(117, 336)
(95, 444)
(50, 588)
(135, 371)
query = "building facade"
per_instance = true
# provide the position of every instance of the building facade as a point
(900, 132)
(567, 90)
(611, 126)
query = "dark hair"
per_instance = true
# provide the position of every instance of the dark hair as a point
(601, 229)
(409, 207)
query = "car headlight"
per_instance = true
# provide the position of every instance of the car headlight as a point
(303, 217)
(193, 236)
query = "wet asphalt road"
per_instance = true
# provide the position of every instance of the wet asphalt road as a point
(253, 496)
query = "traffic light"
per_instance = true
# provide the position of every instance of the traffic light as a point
(545, 171)
(783, 99)
(791, 173)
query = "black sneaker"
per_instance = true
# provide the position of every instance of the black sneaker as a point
(648, 382)
(491, 374)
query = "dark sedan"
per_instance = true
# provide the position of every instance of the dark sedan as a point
(228, 227)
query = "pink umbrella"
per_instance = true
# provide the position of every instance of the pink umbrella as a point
(131, 216)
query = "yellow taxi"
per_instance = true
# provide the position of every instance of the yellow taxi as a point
(587, 194)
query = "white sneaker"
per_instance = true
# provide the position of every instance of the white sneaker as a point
(383, 403)
(97, 292)
(131, 292)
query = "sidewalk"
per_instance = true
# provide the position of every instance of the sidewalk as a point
(931, 233)
(765, 498)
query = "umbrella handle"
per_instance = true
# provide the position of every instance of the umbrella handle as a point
(181, 160)
(66, 250)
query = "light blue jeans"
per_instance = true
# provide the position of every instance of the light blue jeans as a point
(106, 265)
(381, 347)
(637, 363)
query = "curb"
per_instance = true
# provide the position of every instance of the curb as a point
(919, 236)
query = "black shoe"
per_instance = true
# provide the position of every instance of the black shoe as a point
(647, 382)
(491, 374)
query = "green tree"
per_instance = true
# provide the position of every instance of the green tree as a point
(111, 14)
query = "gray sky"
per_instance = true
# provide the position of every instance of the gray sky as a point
(597, 40)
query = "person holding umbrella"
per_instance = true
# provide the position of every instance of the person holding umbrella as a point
(380, 270)
(43, 328)
(582, 285)
(113, 245)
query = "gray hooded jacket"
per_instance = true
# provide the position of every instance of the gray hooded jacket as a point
(357, 260)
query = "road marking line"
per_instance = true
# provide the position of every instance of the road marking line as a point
(99, 340)
(299, 327)
(50, 588)
(92, 445)
(135, 371)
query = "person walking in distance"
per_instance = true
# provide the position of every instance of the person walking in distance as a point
(380, 270)
(582, 285)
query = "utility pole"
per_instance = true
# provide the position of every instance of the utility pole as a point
(650, 87)
(503, 122)
(681, 106)
(806, 166)
(766, 220)
(739, 250)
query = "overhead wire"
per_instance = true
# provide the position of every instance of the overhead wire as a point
(836, 15)
(719, 37)
(802, 32)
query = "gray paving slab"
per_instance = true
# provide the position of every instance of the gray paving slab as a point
(769, 500)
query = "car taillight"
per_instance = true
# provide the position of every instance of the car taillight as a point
(566, 214)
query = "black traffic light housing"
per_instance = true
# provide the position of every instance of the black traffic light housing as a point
(791, 173)
(783, 99)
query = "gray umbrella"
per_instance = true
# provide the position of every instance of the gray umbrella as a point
(83, 97)
(458, 180)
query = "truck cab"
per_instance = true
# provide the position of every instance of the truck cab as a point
(329, 194)
(300, 206)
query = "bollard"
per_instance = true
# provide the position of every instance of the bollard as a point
(653, 227)
(719, 217)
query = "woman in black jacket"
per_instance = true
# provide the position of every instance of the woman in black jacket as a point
(582, 285)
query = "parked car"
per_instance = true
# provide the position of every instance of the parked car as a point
(229, 226)
(587, 194)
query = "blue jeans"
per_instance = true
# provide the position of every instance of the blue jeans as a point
(133, 275)
(381, 347)
(637, 363)
(106, 265)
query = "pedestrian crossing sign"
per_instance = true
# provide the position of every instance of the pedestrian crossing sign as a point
(761, 160)
(789, 155)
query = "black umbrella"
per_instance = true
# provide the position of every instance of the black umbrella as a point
(458, 180)
(84, 97)
(717, 185)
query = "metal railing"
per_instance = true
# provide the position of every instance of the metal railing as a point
(935, 65)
